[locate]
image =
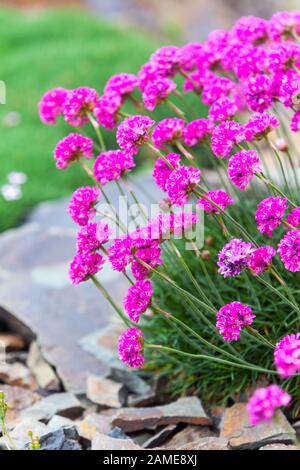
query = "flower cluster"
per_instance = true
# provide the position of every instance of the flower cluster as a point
(233, 257)
(242, 166)
(82, 204)
(215, 201)
(137, 299)
(111, 165)
(72, 148)
(131, 344)
(287, 355)
(133, 132)
(232, 318)
(264, 402)
(269, 214)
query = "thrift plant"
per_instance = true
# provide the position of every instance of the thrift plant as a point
(220, 316)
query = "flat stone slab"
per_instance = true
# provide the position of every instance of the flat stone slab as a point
(236, 429)
(189, 434)
(63, 404)
(104, 442)
(105, 392)
(184, 410)
(206, 443)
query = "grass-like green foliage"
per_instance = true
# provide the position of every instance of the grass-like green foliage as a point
(38, 52)
(214, 382)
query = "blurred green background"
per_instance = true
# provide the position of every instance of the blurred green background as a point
(43, 50)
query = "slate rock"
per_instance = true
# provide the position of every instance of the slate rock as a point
(160, 437)
(63, 404)
(93, 423)
(66, 438)
(184, 410)
(104, 442)
(40, 368)
(279, 447)
(18, 399)
(189, 434)
(12, 342)
(241, 435)
(206, 443)
(105, 392)
(17, 374)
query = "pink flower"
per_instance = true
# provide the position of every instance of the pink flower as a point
(287, 355)
(190, 55)
(81, 206)
(150, 254)
(219, 197)
(269, 214)
(181, 183)
(133, 132)
(260, 259)
(197, 131)
(120, 253)
(111, 165)
(167, 131)
(215, 87)
(250, 29)
(167, 58)
(79, 102)
(289, 250)
(232, 259)
(224, 137)
(51, 105)
(293, 217)
(137, 299)
(295, 122)
(287, 86)
(150, 72)
(122, 84)
(258, 92)
(85, 265)
(222, 109)
(92, 236)
(232, 318)
(131, 348)
(242, 166)
(107, 109)
(259, 125)
(264, 402)
(72, 148)
(162, 171)
(282, 25)
(156, 92)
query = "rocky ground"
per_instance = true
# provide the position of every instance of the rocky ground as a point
(61, 376)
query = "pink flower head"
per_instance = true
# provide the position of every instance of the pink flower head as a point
(162, 171)
(72, 148)
(111, 165)
(156, 92)
(250, 29)
(79, 102)
(51, 105)
(232, 318)
(222, 109)
(85, 265)
(167, 58)
(167, 131)
(149, 73)
(249, 61)
(282, 25)
(122, 84)
(258, 92)
(81, 206)
(219, 197)
(224, 137)
(120, 253)
(137, 299)
(287, 87)
(259, 125)
(107, 109)
(264, 402)
(131, 348)
(215, 87)
(260, 259)
(287, 355)
(232, 259)
(269, 214)
(197, 131)
(283, 56)
(150, 254)
(92, 236)
(293, 217)
(133, 132)
(190, 55)
(289, 250)
(242, 166)
(295, 122)
(181, 183)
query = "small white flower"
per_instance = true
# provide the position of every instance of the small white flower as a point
(17, 177)
(11, 192)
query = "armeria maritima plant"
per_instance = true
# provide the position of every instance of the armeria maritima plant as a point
(225, 315)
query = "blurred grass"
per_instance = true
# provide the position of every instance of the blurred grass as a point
(54, 48)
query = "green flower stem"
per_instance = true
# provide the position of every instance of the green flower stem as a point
(175, 108)
(278, 293)
(269, 183)
(111, 301)
(209, 358)
(98, 132)
(274, 150)
(135, 199)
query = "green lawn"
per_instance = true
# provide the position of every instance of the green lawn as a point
(55, 48)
